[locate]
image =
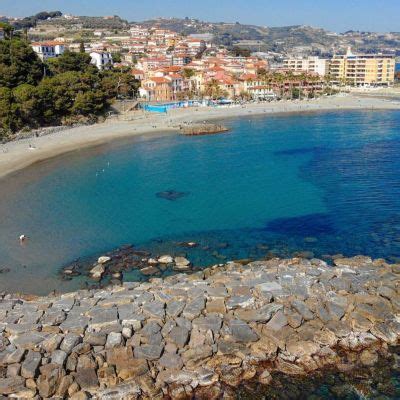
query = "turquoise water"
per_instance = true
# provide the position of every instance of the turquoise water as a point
(322, 182)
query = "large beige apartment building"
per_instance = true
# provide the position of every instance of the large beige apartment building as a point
(350, 69)
(362, 69)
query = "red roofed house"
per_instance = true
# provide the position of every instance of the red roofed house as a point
(138, 74)
(156, 89)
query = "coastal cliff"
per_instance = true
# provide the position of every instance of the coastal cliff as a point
(200, 334)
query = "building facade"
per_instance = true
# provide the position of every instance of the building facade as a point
(46, 50)
(363, 69)
(311, 65)
(101, 59)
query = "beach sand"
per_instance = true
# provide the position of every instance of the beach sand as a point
(20, 154)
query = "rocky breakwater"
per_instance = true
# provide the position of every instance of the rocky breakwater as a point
(203, 129)
(201, 334)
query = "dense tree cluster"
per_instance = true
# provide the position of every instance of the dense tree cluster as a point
(29, 22)
(63, 90)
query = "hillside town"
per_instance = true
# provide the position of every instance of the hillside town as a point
(176, 67)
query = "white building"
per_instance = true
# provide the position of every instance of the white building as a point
(138, 31)
(101, 59)
(46, 50)
(314, 65)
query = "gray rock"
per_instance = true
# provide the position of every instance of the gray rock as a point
(175, 308)
(14, 356)
(101, 318)
(114, 339)
(58, 357)
(17, 329)
(171, 361)
(51, 343)
(31, 364)
(182, 261)
(154, 309)
(303, 309)
(241, 332)
(64, 304)
(148, 352)
(335, 309)
(240, 301)
(11, 385)
(95, 339)
(278, 321)
(69, 342)
(52, 317)
(29, 340)
(165, 259)
(179, 335)
(273, 288)
(211, 322)
(150, 328)
(75, 324)
(194, 308)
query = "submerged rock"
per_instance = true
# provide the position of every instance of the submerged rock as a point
(171, 195)
(98, 271)
(103, 259)
(165, 259)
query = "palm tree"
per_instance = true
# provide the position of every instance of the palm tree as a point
(213, 89)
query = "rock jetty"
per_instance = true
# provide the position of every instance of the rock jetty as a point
(203, 129)
(201, 334)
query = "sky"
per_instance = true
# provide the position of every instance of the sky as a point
(335, 15)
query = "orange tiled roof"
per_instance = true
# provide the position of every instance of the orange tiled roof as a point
(48, 43)
(157, 79)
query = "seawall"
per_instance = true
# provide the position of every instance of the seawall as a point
(200, 334)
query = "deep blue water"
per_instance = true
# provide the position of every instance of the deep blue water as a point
(325, 183)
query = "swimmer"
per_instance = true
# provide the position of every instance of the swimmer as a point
(22, 238)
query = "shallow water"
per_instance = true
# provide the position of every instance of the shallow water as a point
(321, 182)
(380, 382)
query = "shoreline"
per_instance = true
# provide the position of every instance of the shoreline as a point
(20, 154)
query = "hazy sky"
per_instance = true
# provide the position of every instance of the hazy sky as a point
(336, 15)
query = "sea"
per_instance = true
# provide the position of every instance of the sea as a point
(316, 184)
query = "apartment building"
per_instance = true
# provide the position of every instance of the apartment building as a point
(311, 65)
(138, 31)
(101, 59)
(363, 69)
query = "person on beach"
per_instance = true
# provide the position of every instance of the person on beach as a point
(22, 238)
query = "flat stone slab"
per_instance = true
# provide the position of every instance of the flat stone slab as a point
(148, 352)
(241, 331)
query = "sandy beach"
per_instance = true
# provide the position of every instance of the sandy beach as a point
(20, 154)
